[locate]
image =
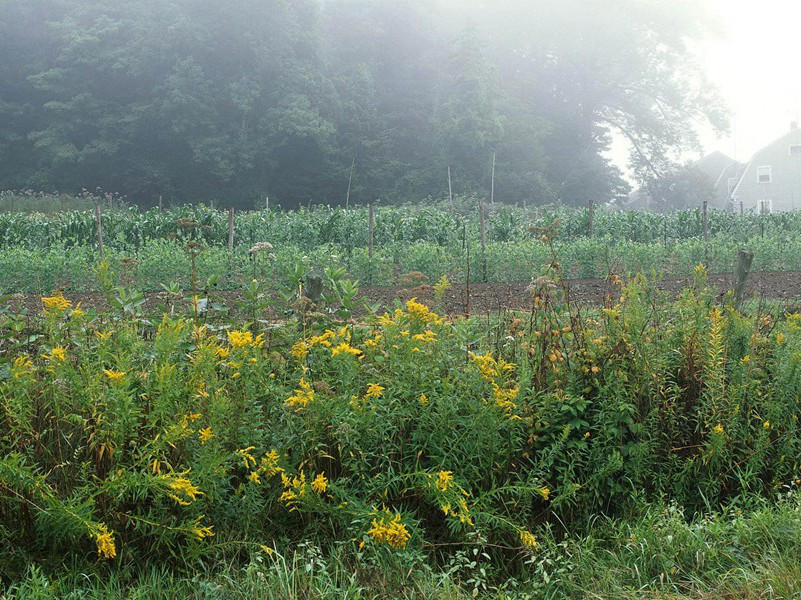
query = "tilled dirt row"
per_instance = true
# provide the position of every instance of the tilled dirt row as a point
(482, 298)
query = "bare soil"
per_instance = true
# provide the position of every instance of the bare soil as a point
(483, 298)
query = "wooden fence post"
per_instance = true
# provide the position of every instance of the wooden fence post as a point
(370, 228)
(99, 225)
(744, 260)
(230, 229)
(450, 189)
(706, 222)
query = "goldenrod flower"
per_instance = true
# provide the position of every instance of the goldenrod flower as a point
(389, 529)
(247, 457)
(780, 338)
(319, 484)
(182, 485)
(423, 400)
(105, 541)
(254, 477)
(300, 350)
(544, 493)
(374, 390)
(345, 348)
(718, 428)
(444, 480)
(242, 339)
(766, 424)
(114, 375)
(529, 541)
(58, 354)
(201, 532)
(56, 303)
(302, 396)
(22, 366)
(205, 434)
(269, 463)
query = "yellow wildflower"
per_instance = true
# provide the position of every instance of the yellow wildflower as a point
(114, 375)
(222, 352)
(205, 434)
(444, 480)
(389, 529)
(242, 339)
(182, 485)
(302, 396)
(319, 484)
(78, 313)
(766, 424)
(22, 366)
(56, 303)
(58, 354)
(780, 338)
(105, 541)
(345, 348)
(374, 390)
(718, 428)
(423, 400)
(300, 350)
(201, 532)
(529, 541)
(544, 493)
(254, 477)
(246, 456)
(269, 464)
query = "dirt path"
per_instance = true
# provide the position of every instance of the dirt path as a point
(491, 297)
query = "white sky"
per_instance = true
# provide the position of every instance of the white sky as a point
(755, 65)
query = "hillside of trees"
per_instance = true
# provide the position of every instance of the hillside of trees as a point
(201, 99)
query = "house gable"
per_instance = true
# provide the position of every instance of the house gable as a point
(772, 179)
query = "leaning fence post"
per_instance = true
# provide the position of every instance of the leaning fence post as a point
(744, 260)
(230, 229)
(591, 214)
(99, 225)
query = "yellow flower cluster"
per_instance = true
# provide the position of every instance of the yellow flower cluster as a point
(183, 492)
(205, 434)
(22, 367)
(421, 313)
(389, 529)
(113, 375)
(201, 531)
(345, 348)
(244, 339)
(56, 303)
(493, 370)
(374, 390)
(58, 354)
(529, 541)
(302, 396)
(319, 484)
(105, 541)
(444, 480)
(293, 488)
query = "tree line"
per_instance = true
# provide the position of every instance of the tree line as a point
(317, 100)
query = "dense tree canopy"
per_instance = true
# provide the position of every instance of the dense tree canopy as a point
(202, 99)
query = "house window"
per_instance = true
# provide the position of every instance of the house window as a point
(765, 207)
(795, 149)
(732, 183)
(764, 174)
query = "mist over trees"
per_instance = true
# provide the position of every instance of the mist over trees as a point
(201, 99)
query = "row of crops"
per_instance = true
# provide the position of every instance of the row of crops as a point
(190, 244)
(129, 228)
